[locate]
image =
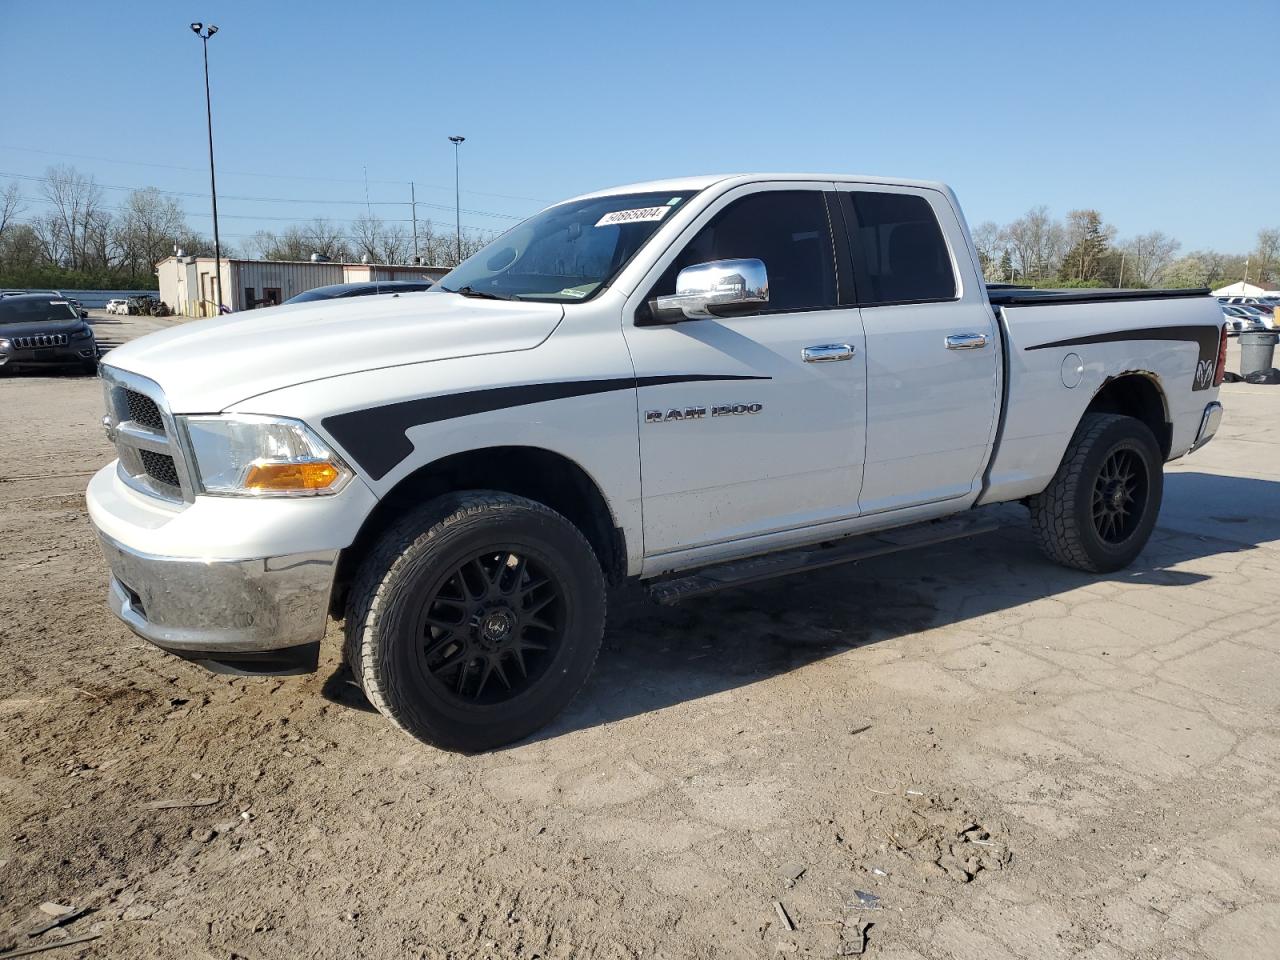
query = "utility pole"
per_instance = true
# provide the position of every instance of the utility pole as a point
(413, 202)
(204, 34)
(457, 193)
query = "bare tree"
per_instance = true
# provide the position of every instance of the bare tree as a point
(10, 207)
(290, 245)
(262, 243)
(1037, 242)
(989, 239)
(1267, 257)
(1147, 256)
(150, 226)
(21, 248)
(326, 238)
(373, 238)
(77, 218)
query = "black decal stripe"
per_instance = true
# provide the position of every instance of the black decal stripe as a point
(376, 438)
(1205, 335)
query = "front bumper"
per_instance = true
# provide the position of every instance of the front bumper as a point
(258, 616)
(61, 356)
(1209, 422)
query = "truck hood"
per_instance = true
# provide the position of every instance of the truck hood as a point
(207, 365)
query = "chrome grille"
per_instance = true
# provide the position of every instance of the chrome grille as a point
(152, 458)
(143, 410)
(41, 340)
(159, 467)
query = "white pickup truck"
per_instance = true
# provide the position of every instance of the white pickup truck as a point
(696, 383)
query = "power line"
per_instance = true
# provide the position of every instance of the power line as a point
(258, 216)
(268, 176)
(199, 196)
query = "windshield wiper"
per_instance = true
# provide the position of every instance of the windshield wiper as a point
(470, 291)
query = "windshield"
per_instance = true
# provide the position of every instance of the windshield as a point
(21, 310)
(567, 252)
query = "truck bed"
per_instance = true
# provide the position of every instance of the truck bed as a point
(1062, 346)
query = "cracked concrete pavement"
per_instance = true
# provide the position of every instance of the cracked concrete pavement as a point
(1019, 760)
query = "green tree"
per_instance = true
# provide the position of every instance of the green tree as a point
(1089, 241)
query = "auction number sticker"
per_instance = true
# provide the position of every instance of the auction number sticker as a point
(638, 215)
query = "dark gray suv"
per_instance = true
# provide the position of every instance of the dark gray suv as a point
(39, 330)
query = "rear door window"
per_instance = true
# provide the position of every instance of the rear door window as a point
(899, 254)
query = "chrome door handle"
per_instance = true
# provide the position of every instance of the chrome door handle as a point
(827, 353)
(966, 341)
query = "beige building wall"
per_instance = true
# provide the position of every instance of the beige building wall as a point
(187, 283)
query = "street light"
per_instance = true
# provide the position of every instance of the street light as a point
(457, 193)
(204, 33)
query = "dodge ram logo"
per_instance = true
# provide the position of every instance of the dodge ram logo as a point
(1205, 370)
(699, 413)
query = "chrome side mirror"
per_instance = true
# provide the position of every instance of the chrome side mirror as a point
(720, 283)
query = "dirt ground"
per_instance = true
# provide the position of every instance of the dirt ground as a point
(977, 753)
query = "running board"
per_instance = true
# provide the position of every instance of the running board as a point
(739, 573)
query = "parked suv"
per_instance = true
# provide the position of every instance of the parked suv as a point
(41, 331)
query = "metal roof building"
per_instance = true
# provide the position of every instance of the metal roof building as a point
(187, 283)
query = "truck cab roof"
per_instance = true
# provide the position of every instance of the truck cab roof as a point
(727, 180)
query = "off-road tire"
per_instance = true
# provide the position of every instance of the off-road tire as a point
(1062, 516)
(383, 643)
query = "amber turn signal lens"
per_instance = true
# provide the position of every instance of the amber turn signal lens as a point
(313, 475)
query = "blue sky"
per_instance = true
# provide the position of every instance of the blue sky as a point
(1162, 115)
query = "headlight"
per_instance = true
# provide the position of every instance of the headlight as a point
(251, 456)
(5, 343)
(82, 333)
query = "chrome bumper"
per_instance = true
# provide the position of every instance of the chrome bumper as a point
(221, 609)
(1209, 422)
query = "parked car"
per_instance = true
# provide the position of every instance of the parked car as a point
(363, 289)
(118, 305)
(1241, 321)
(23, 293)
(663, 382)
(1260, 313)
(40, 331)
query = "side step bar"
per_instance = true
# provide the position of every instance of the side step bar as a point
(739, 573)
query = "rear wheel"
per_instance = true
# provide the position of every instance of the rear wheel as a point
(476, 620)
(1101, 506)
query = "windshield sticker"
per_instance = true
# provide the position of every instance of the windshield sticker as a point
(571, 292)
(673, 201)
(638, 215)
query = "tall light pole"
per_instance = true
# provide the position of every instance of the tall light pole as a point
(204, 33)
(457, 193)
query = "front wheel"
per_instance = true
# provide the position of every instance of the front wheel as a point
(476, 619)
(1101, 506)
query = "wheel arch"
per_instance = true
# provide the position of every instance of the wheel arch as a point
(1137, 394)
(542, 475)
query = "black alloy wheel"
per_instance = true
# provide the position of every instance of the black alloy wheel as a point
(491, 626)
(1120, 496)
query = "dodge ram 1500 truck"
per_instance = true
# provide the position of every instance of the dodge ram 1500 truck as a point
(696, 383)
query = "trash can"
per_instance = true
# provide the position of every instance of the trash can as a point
(1256, 351)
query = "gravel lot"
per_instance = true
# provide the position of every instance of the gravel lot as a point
(1016, 759)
